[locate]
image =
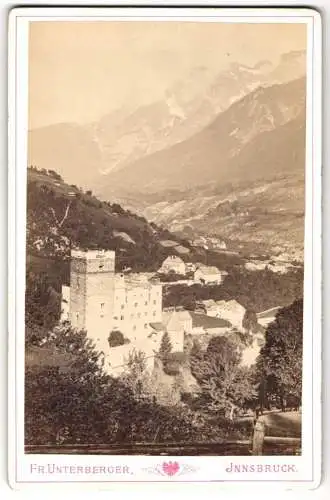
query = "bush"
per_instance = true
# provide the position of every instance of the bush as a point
(172, 367)
(173, 362)
(177, 357)
(116, 338)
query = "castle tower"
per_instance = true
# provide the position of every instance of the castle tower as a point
(92, 288)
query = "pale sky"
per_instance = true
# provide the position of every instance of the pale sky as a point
(80, 71)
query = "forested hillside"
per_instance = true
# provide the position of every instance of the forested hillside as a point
(61, 217)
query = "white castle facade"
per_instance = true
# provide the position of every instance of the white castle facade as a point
(100, 301)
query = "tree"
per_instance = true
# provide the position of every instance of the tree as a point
(250, 321)
(280, 360)
(225, 384)
(66, 372)
(116, 338)
(165, 347)
(136, 377)
(42, 306)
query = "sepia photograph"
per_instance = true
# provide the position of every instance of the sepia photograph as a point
(165, 238)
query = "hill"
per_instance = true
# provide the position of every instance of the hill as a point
(62, 216)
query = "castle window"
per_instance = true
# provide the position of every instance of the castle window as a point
(135, 304)
(115, 317)
(154, 313)
(134, 327)
(101, 266)
(122, 306)
(102, 305)
(154, 302)
(146, 303)
(145, 325)
(121, 317)
(77, 316)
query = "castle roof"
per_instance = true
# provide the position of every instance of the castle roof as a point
(159, 327)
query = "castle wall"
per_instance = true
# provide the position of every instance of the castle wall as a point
(135, 307)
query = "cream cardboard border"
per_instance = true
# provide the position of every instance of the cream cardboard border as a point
(206, 469)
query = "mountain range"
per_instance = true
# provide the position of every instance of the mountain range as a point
(260, 135)
(125, 135)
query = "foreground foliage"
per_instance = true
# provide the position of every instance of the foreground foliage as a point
(76, 403)
(226, 385)
(280, 361)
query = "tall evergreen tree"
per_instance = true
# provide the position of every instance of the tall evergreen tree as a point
(165, 347)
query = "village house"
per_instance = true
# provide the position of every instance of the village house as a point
(188, 322)
(174, 264)
(191, 267)
(209, 275)
(229, 310)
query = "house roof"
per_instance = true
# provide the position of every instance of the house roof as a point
(172, 259)
(174, 320)
(209, 270)
(207, 322)
(209, 303)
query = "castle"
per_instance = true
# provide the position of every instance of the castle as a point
(100, 301)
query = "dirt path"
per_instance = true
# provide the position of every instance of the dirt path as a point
(281, 424)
